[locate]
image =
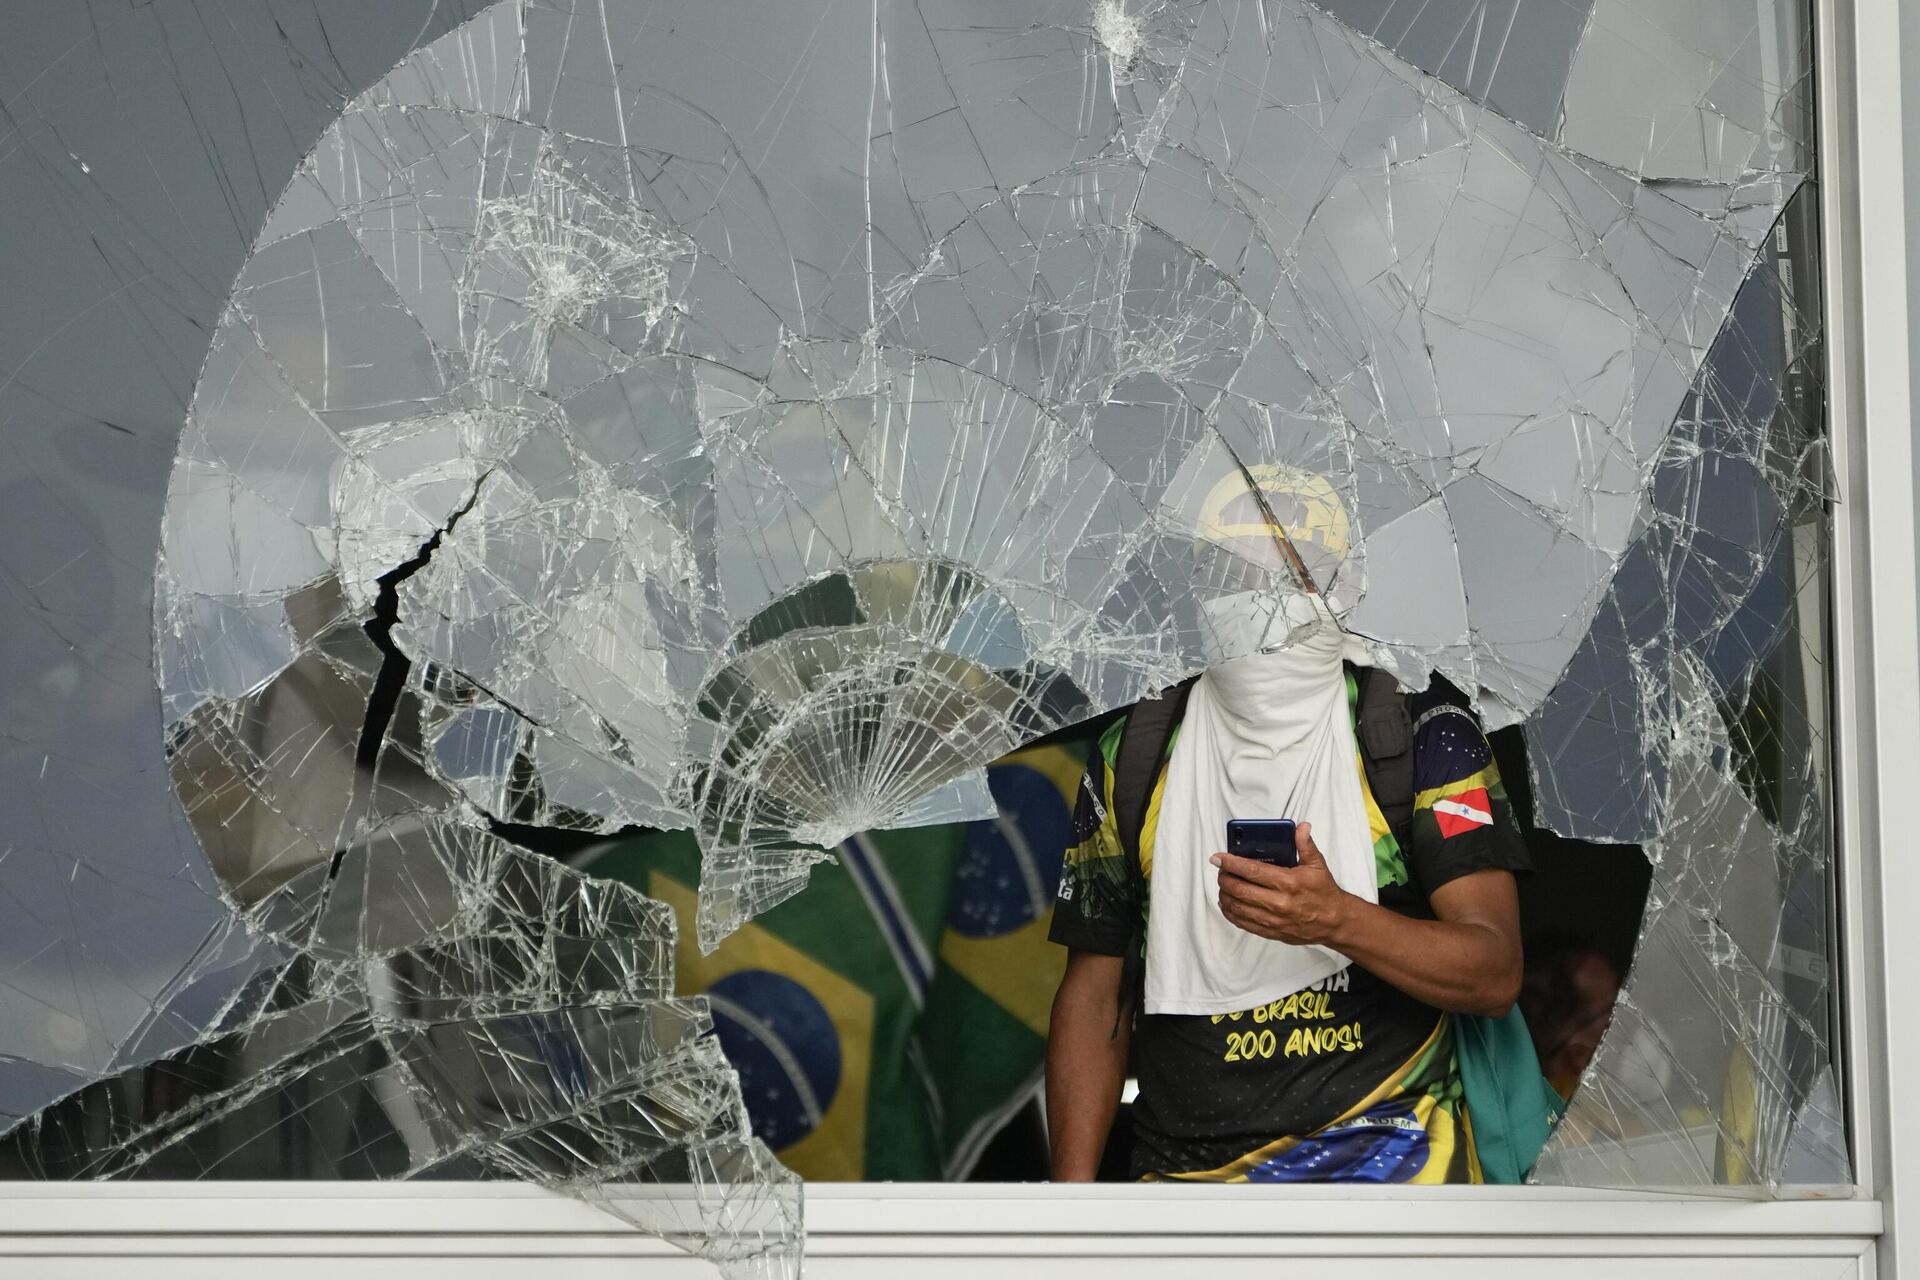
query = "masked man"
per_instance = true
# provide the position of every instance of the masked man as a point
(1284, 1023)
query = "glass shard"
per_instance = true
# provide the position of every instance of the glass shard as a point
(1710, 91)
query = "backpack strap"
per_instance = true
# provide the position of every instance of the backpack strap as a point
(1383, 727)
(1136, 768)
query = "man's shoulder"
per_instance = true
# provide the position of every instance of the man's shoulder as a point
(1443, 696)
(1439, 706)
(1449, 745)
(1170, 712)
(1107, 745)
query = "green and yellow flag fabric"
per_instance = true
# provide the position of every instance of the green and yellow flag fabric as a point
(887, 1021)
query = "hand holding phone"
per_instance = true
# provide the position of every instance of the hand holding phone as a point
(1268, 840)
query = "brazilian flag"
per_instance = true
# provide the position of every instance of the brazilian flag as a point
(888, 1020)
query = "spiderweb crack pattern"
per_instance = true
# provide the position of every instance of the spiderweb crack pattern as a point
(641, 413)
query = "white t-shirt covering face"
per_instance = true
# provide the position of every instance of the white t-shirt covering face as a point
(1269, 735)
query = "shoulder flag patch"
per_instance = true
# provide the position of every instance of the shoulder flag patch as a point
(1463, 811)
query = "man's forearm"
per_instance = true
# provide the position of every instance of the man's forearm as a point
(1084, 1080)
(1087, 1044)
(1466, 961)
(1459, 966)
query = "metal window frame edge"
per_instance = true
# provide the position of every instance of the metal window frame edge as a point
(1864, 70)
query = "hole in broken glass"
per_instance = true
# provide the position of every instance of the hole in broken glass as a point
(584, 453)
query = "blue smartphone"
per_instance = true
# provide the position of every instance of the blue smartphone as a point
(1269, 840)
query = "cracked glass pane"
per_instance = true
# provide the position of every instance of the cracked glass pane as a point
(557, 422)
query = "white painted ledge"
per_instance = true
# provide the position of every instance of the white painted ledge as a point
(454, 1231)
(272, 1217)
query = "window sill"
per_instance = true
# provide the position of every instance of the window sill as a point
(980, 1220)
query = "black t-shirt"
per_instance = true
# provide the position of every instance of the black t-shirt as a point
(1349, 1080)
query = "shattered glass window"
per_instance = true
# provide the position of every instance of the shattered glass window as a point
(453, 447)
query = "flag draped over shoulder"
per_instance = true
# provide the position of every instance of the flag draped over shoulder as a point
(889, 1020)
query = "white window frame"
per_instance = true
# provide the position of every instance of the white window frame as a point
(1870, 213)
(1870, 197)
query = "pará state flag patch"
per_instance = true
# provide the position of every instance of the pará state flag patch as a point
(1463, 811)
